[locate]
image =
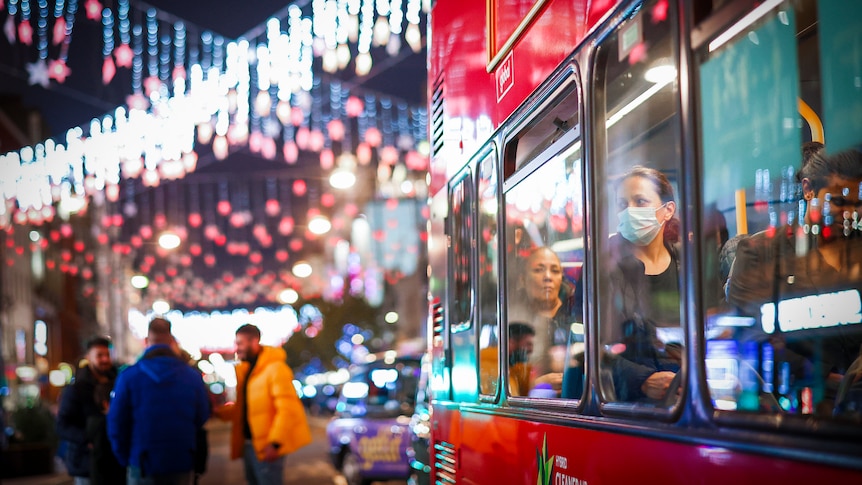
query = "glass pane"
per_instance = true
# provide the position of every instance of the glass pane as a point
(545, 258)
(489, 339)
(783, 235)
(461, 230)
(638, 222)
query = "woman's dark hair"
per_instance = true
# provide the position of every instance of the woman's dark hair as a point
(665, 191)
(846, 164)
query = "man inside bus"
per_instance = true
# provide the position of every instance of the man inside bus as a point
(789, 263)
(521, 340)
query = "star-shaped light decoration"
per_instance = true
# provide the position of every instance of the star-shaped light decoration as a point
(93, 9)
(152, 85)
(108, 70)
(59, 32)
(9, 30)
(38, 72)
(124, 56)
(25, 32)
(58, 70)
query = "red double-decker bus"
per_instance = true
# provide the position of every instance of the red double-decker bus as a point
(645, 241)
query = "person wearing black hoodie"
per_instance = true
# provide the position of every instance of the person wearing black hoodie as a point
(81, 418)
(159, 405)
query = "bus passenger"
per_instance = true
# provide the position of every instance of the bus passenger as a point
(790, 263)
(644, 284)
(546, 304)
(771, 258)
(521, 342)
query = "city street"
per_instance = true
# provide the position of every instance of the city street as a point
(308, 466)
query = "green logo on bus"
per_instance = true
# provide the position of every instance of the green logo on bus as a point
(545, 464)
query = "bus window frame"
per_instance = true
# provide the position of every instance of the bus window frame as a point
(598, 157)
(565, 84)
(787, 424)
(490, 153)
(463, 179)
(535, 106)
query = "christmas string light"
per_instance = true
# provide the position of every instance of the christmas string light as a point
(59, 22)
(366, 34)
(108, 67)
(25, 30)
(42, 29)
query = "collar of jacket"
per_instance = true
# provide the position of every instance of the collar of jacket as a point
(267, 355)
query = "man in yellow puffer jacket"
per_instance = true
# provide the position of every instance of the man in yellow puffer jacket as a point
(268, 418)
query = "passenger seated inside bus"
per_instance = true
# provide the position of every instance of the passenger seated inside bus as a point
(644, 288)
(546, 303)
(804, 277)
(521, 344)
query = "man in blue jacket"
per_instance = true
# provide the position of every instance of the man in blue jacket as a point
(159, 405)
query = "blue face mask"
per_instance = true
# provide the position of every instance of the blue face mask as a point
(639, 225)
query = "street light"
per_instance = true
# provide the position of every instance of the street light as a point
(319, 225)
(140, 281)
(288, 296)
(342, 178)
(161, 307)
(391, 317)
(169, 240)
(302, 269)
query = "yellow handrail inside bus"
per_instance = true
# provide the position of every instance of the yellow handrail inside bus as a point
(817, 134)
(813, 121)
(741, 215)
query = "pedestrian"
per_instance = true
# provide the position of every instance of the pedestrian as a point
(268, 418)
(159, 406)
(81, 419)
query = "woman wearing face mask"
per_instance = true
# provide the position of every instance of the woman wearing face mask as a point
(644, 283)
(546, 305)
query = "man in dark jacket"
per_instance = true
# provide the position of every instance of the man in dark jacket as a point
(88, 459)
(159, 405)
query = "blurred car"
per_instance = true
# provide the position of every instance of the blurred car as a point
(420, 430)
(369, 434)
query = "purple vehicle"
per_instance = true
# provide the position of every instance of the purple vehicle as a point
(369, 435)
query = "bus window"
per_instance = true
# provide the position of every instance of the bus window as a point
(489, 370)
(638, 225)
(462, 299)
(461, 243)
(545, 258)
(783, 241)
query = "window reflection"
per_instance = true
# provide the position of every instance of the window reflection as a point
(640, 255)
(544, 225)
(489, 370)
(783, 287)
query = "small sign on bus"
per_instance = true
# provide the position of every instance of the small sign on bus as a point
(504, 77)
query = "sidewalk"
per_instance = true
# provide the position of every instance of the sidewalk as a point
(57, 479)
